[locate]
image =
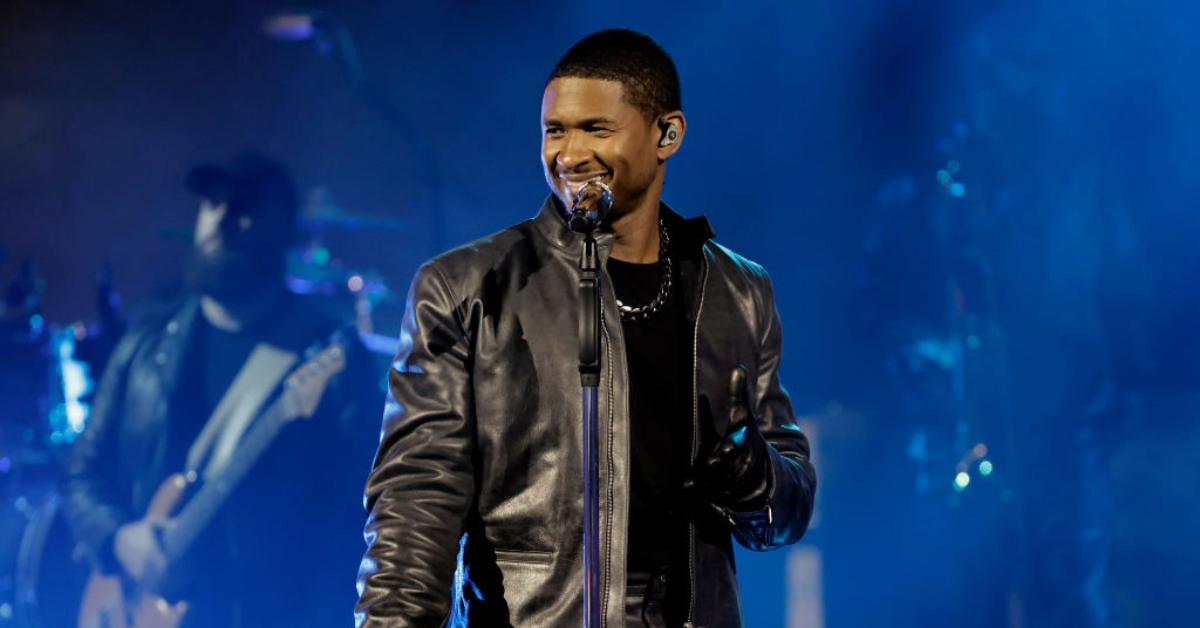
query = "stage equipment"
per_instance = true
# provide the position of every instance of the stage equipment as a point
(331, 36)
(591, 204)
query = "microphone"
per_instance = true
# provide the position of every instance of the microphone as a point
(593, 200)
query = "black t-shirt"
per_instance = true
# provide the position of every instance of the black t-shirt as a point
(659, 359)
(214, 358)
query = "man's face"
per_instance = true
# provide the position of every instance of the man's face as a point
(589, 132)
(228, 260)
(210, 236)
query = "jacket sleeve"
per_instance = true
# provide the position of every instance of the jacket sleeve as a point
(793, 479)
(91, 502)
(422, 485)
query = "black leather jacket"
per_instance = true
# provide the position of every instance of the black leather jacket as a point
(479, 465)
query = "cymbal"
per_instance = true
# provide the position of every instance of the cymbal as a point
(320, 212)
(352, 222)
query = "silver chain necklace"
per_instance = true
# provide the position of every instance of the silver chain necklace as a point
(641, 313)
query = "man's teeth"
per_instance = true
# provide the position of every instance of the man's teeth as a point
(577, 184)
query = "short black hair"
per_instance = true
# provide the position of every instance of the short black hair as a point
(645, 70)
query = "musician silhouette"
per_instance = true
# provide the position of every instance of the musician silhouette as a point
(186, 390)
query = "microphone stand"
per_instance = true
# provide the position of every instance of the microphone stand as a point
(584, 220)
(589, 380)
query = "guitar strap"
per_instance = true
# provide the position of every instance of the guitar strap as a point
(218, 441)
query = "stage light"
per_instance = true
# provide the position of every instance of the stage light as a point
(961, 481)
(957, 190)
(943, 177)
(985, 468)
(355, 283)
(70, 415)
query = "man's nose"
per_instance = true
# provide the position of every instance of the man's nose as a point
(575, 152)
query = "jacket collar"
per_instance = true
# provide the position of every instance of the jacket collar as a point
(688, 235)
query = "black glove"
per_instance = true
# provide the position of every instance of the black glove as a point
(736, 475)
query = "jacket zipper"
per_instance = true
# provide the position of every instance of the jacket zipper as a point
(691, 619)
(608, 511)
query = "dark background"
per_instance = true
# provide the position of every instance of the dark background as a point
(1039, 296)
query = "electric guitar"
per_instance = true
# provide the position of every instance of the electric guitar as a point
(113, 601)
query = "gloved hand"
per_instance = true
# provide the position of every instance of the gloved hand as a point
(736, 475)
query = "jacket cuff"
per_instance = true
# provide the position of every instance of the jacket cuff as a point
(754, 527)
(754, 530)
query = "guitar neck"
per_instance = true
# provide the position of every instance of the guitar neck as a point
(199, 511)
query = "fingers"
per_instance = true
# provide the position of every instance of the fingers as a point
(138, 550)
(730, 460)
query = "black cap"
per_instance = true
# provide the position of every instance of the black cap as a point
(250, 183)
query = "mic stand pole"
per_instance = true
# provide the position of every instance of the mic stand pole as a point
(589, 379)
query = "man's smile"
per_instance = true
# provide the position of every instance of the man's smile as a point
(575, 180)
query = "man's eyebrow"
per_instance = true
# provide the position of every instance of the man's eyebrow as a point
(583, 123)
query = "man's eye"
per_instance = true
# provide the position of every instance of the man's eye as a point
(553, 132)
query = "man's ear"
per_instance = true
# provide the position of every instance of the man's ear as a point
(671, 127)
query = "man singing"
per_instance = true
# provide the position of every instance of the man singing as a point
(475, 499)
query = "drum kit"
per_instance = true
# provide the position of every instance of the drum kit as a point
(47, 374)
